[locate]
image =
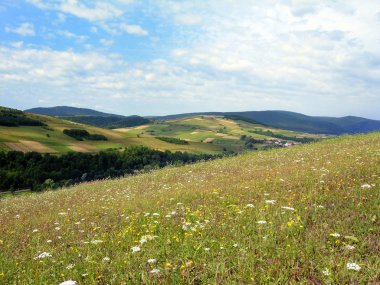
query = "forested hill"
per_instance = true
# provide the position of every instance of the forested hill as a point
(299, 122)
(66, 111)
(91, 117)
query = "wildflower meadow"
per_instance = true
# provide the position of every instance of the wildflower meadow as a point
(304, 215)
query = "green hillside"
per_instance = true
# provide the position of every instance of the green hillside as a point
(302, 215)
(91, 117)
(203, 134)
(230, 134)
(299, 122)
(46, 136)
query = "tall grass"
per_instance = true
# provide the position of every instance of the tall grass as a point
(305, 215)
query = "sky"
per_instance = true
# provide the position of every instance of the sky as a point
(167, 57)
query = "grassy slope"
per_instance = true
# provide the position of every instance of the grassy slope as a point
(199, 128)
(61, 143)
(224, 244)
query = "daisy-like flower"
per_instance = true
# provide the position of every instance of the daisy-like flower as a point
(353, 266)
(287, 208)
(261, 222)
(69, 282)
(326, 272)
(43, 255)
(366, 185)
(135, 249)
(152, 260)
(106, 259)
(70, 266)
(349, 247)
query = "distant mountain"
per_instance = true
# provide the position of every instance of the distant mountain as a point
(91, 117)
(66, 111)
(299, 122)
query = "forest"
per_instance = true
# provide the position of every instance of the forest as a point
(37, 171)
(14, 118)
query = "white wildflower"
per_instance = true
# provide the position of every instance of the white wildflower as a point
(353, 266)
(135, 249)
(152, 260)
(249, 206)
(366, 185)
(70, 266)
(261, 222)
(62, 214)
(106, 259)
(49, 241)
(156, 214)
(270, 201)
(97, 241)
(43, 255)
(155, 271)
(335, 235)
(326, 272)
(287, 208)
(69, 282)
(207, 249)
(35, 231)
(349, 247)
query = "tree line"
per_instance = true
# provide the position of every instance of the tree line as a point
(40, 171)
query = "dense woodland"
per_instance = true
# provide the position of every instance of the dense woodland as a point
(173, 140)
(111, 122)
(14, 118)
(81, 135)
(40, 171)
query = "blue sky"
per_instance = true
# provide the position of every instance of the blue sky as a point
(164, 57)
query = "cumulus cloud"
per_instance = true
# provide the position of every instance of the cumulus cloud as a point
(25, 29)
(242, 54)
(89, 10)
(133, 29)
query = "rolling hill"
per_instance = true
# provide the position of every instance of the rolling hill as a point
(46, 136)
(299, 122)
(231, 133)
(91, 117)
(198, 134)
(302, 215)
(66, 111)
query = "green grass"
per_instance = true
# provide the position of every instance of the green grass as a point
(201, 223)
(199, 128)
(53, 137)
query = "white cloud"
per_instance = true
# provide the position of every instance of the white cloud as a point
(25, 29)
(188, 19)
(106, 42)
(89, 10)
(69, 35)
(133, 29)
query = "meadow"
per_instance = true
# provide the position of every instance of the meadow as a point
(302, 215)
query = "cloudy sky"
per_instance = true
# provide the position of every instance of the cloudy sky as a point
(159, 57)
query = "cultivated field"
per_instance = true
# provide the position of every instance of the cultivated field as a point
(50, 139)
(303, 215)
(213, 130)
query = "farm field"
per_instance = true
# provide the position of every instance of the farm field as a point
(213, 130)
(204, 134)
(302, 215)
(50, 139)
